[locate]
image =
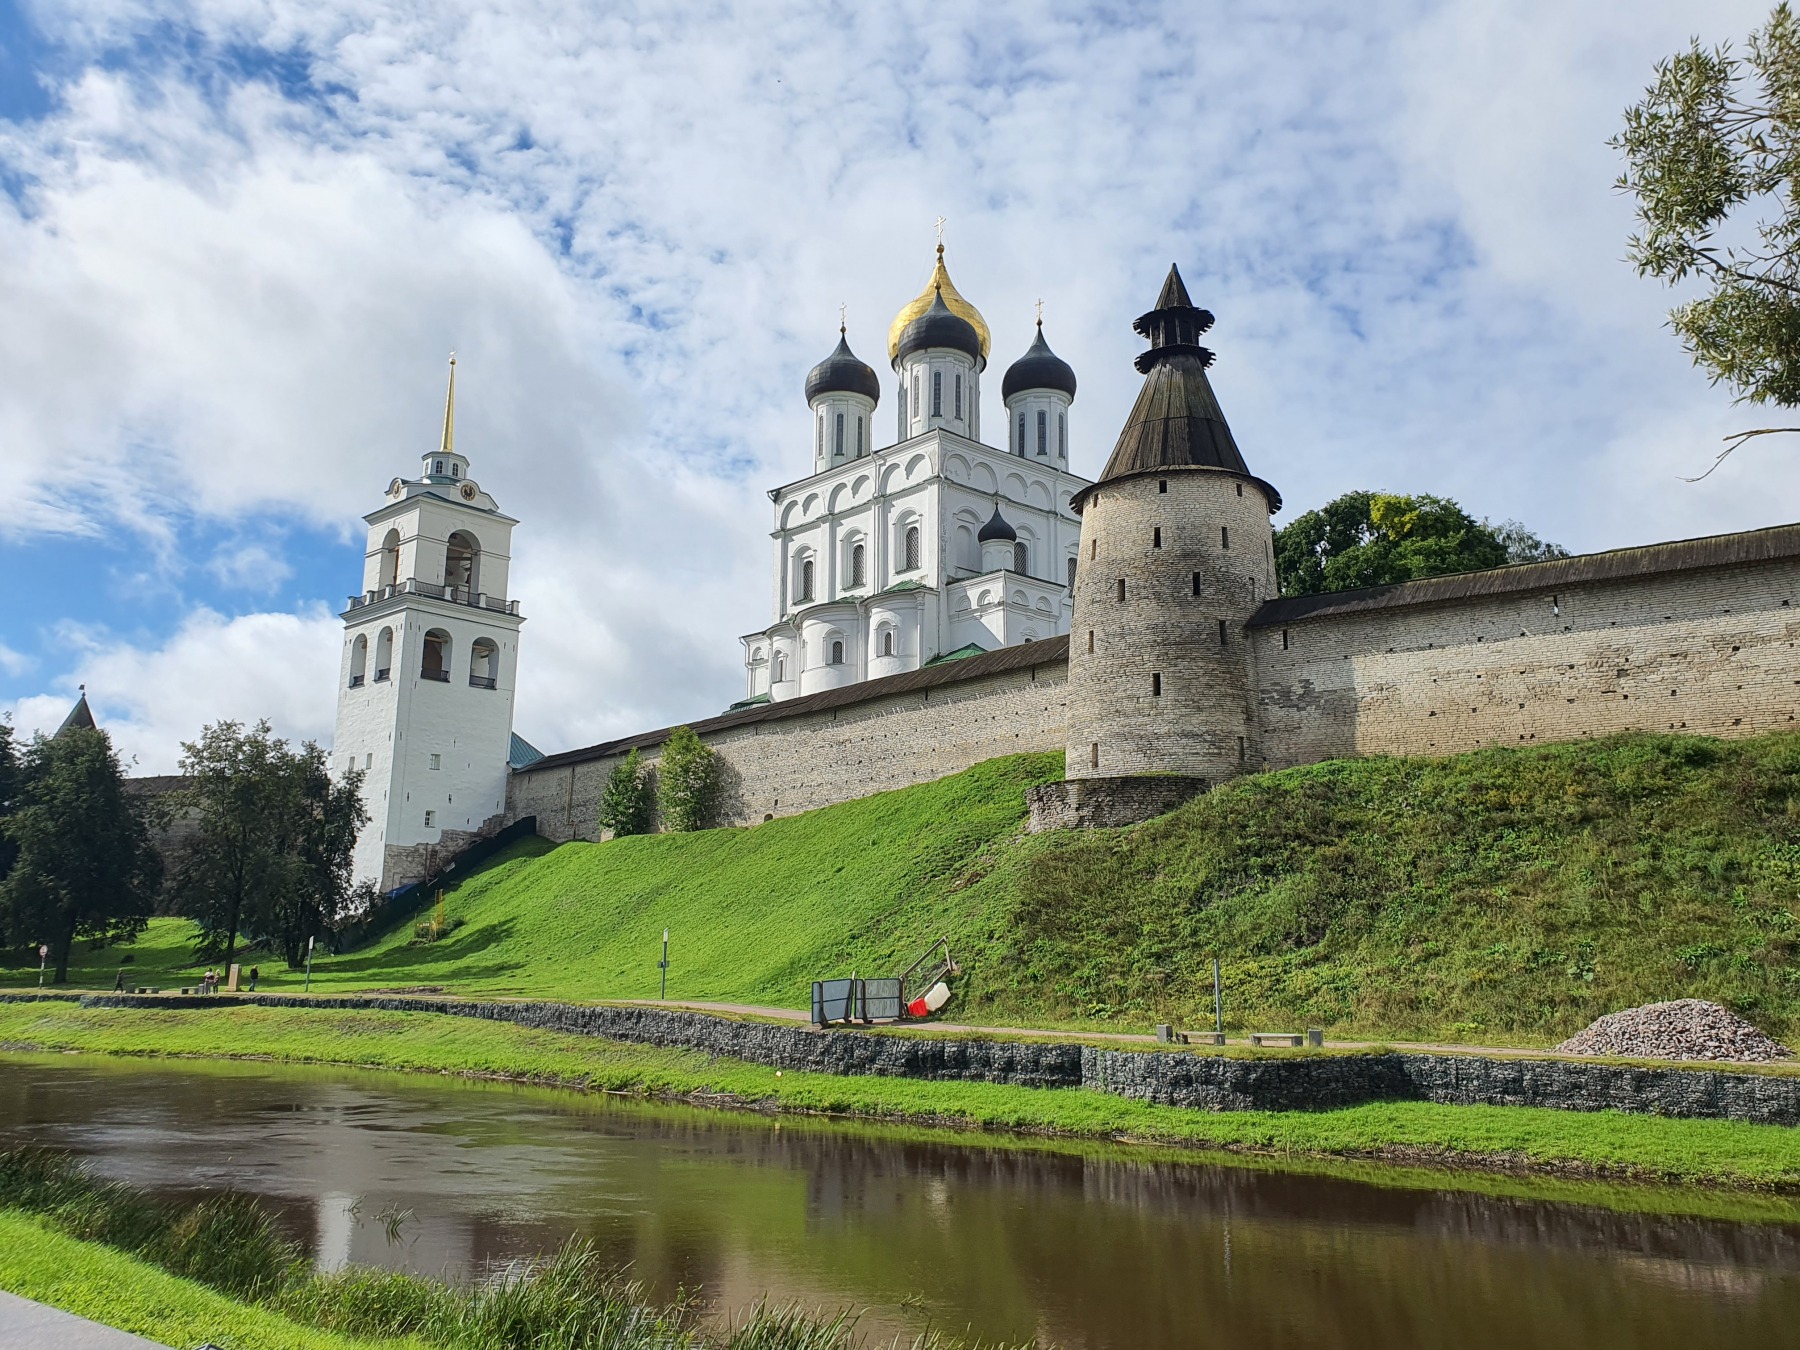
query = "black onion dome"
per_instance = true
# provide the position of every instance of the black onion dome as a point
(842, 373)
(939, 327)
(1039, 368)
(997, 528)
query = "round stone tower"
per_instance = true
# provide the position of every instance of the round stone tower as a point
(1176, 554)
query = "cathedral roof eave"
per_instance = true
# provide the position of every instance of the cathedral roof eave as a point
(915, 442)
(397, 506)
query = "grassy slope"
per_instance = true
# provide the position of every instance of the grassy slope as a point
(107, 1286)
(1676, 1150)
(1508, 896)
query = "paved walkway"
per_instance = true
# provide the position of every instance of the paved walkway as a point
(1065, 1034)
(25, 1325)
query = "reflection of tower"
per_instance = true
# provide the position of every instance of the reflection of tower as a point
(1176, 554)
(431, 645)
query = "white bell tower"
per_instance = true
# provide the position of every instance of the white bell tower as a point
(431, 652)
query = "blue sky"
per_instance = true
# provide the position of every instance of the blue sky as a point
(239, 237)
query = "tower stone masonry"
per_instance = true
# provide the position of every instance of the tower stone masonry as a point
(1176, 555)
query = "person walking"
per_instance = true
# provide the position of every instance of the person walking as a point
(254, 972)
(119, 983)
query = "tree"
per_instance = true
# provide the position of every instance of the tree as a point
(323, 819)
(85, 866)
(1714, 142)
(1373, 538)
(240, 858)
(687, 780)
(9, 787)
(628, 802)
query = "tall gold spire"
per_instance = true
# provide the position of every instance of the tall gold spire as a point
(449, 445)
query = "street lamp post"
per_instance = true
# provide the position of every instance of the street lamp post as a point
(664, 965)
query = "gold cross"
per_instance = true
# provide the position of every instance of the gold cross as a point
(940, 222)
(840, 318)
(1040, 310)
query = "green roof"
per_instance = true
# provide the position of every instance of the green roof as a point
(906, 586)
(748, 702)
(961, 653)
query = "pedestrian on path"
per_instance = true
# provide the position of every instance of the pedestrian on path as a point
(254, 972)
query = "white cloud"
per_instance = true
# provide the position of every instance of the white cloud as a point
(14, 663)
(635, 224)
(151, 698)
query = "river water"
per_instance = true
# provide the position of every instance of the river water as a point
(977, 1236)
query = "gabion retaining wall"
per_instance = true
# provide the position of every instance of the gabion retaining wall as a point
(1201, 1081)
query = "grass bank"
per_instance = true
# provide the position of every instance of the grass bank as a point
(1502, 897)
(1715, 1153)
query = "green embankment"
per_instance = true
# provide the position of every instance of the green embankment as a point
(103, 1285)
(1602, 1144)
(1505, 896)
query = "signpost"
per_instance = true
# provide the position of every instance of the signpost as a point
(43, 957)
(309, 946)
(664, 964)
(1218, 1001)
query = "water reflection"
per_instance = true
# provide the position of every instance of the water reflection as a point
(1086, 1251)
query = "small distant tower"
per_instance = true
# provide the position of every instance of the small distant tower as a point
(842, 393)
(1038, 389)
(1176, 554)
(431, 649)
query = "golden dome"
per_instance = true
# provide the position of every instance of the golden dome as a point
(953, 301)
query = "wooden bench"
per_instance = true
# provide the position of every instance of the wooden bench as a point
(1288, 1038)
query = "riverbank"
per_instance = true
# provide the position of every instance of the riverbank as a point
(1500, 1140)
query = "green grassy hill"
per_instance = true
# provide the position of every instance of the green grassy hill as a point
(1506, 896)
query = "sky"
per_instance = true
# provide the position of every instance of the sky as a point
(239, 239)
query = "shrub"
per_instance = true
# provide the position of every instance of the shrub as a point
(687, 780)
(627, 804)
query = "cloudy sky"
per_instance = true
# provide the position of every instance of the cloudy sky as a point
(238, 239)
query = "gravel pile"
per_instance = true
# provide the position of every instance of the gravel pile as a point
(1688, 1028)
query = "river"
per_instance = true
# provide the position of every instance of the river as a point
(986, 1237)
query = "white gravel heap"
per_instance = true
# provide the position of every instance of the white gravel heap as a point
(1688, 1028)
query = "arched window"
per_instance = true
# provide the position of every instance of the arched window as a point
(903, 410)
(887, 642)
(858, 557)
(435, 664)
(803, 582)
(1062, 435)
(916, 399)
(780, 667)
(837, 653)
(959, 396)
(837, 445)
(390, 559)
(437, 467)
(859, 437)
(1043, 432)
(1021, 559)
(1071, 574)
(1020, 448)
(455, 469)
(462, 564)
(911, 550)
(384, 655)
(359, 660)
(968, 552)
(484, 664)
(819, 440)
(937, 393)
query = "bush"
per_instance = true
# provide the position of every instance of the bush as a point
(687, 781)
(627, 804)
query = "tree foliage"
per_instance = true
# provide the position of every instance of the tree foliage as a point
(9, 788)
(273, 834)
(687, 779)
(1712, 157)
(84, 866)
(1374, 538)
(629, 801)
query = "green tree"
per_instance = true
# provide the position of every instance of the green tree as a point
(9, 788)
(241, 858)
(687, 780)
(323, 818)
(1373, 538)
(85, 866)
(1714, 148)
(629, 801)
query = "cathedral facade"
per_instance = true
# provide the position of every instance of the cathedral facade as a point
(938, 545)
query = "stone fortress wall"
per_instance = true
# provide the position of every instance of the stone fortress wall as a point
(1697, 636)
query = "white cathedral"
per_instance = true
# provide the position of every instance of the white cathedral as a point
(935, 547)
(939, 545)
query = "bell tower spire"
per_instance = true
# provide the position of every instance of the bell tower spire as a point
(444, 465)
(449, 445)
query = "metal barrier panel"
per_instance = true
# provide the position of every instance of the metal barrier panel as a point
(834, 1001)
(881, 1000)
